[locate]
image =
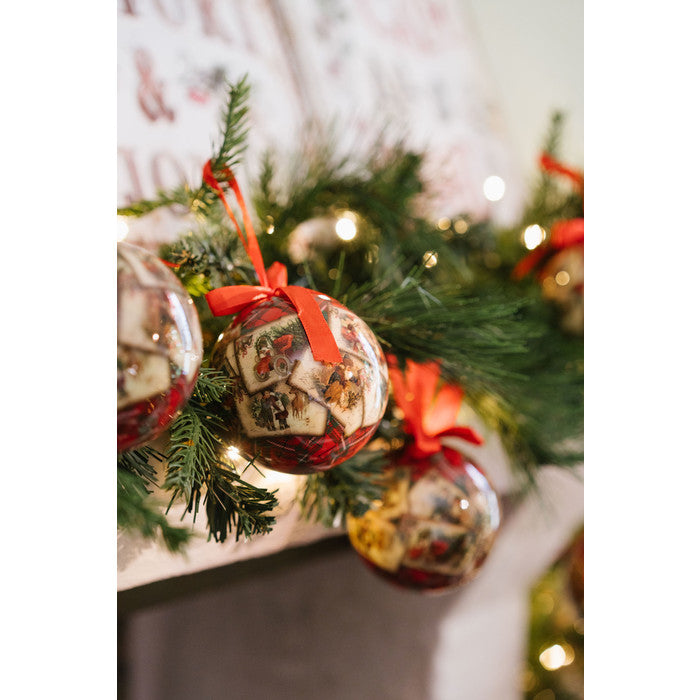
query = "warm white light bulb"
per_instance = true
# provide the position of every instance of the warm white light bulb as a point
(345, 228)
(430, 259)
(494, 188)
(233, 452)
(443, 223)
(533, 235)
(461, 226)
(562, 278)
(556, 656)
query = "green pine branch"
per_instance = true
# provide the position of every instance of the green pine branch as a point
(234, 130)
(203, 201)
(350, 487)
(474, 338)
(136, 511)
(198, 469)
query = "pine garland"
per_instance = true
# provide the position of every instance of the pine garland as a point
(135, 511)
(496, 337)
(198, 467)
(350, 487)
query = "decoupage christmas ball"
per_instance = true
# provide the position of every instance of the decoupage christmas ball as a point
(288, 411)
(159, 346)
(434, 526)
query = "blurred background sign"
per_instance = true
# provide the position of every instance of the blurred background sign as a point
(353, 70)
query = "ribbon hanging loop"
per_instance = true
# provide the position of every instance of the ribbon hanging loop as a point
(273, 281)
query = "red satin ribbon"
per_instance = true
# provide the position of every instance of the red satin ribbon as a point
(565, 234)
(429, 415)
(551, 165)
(273, 282)
(249, 240)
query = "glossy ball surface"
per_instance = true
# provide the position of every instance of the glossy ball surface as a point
(159, 346)
(288, 411)
(434, 527)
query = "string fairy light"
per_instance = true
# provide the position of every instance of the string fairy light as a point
(494, 188)
(533, 236)
(556, 656)
(430, 258)
(443, 223)
(562, 278)
(345, 227)
(460, 226)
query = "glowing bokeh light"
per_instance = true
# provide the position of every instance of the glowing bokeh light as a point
(461, 226)
(443, 223)
(533, 235)
(556, 656)
(345, 228)
(430, 259)
(562, 278)
(494, 188)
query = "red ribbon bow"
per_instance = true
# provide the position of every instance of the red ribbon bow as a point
(549, 164)
(429, 414)
(273, 281)
(565, 234)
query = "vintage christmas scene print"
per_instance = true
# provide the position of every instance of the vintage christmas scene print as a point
(281, 390)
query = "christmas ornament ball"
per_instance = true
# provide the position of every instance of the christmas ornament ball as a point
(434, 526)
(562, 283)
(288, 411)
(159, 346)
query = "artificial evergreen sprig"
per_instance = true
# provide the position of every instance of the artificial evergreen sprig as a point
(380, 187)
(198, 467)
(474, 338)
(202, 201)
(234, 130)
(136, 511)
(207, 259)
(350, 487)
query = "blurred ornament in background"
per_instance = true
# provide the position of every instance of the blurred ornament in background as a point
(435, 525)
(557, 260)
(159, 346)
(313, 236)
(562, 283)
(322, 235)
(439, 515)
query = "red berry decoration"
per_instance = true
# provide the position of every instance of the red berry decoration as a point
(288, 411)
(159, 346)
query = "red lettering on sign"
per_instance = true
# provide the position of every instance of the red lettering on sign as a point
(128, 7)
(177, 18)
(128, 173)
(150, 91)
(210, 24)
(424, 26)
